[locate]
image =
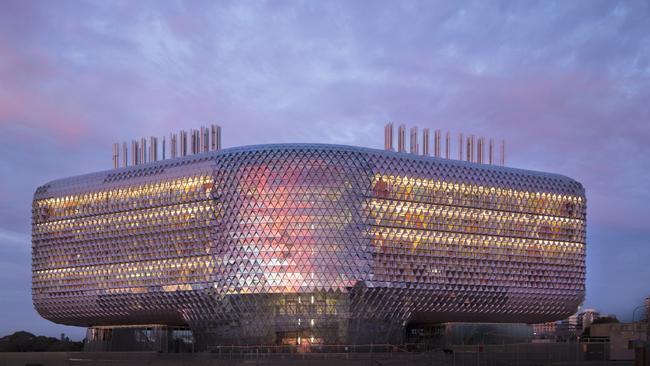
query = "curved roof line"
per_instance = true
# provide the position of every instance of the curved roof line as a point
(318, 146)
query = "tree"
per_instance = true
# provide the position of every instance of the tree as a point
(22, 341)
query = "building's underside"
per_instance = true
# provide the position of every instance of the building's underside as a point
(280, 244)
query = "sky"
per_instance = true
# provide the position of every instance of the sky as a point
(565, 83)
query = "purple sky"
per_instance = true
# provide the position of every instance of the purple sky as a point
(566, 83)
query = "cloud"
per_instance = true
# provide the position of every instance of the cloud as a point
(565, 83)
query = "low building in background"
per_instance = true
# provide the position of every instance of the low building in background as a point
(575, 326)
(623, 338)
(585, 319)
(548, 330)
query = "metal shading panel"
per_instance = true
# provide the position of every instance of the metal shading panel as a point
(307, 243)
(290, 244)
(456, 242)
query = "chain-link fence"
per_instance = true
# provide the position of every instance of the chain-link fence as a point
(523, 354)
(588, 353)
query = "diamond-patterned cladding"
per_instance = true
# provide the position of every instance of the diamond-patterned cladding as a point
(325, 243)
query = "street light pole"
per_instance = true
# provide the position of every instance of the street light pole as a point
(634, 311)
(636, 329)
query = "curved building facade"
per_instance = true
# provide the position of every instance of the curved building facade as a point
(310, 243)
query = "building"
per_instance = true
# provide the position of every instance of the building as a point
(306, 243)
(571, 327)
(585, 318)
(548, 330)
(623, 338)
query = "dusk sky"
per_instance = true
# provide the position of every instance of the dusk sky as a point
(566, 84)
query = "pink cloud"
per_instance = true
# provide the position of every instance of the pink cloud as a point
(26, 100)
